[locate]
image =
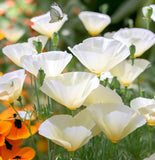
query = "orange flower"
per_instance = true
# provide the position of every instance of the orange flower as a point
(19, 130)
(4, 130)
(11, 151)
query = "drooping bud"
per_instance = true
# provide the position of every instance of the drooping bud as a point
(38, 46)
(41, 76)
(132, 49)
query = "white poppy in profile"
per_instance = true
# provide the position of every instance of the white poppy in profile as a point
(17, 52)
(127, 73)
(70, 89)
(11, 85)
(116, 120)
(69, 132)
(152, 157)
(13, 34)
(100, 54)
(40, 38)
(145, 10)
(102, 95)
(146, 107)
(94, 22)
(143, 39)
(53, 62)
(42, 24)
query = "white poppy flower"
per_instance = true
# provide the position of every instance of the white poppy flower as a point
(94, 22)
(42, 24)
(146, 107)
(116, 120)
(69, 132)
(17, 52)
(70, 89)
(152, 157)
(144, 10)
(52, 63)
(143, 39)
(13, 34)
(127, 73)
(11, 85)
(102, 95)
(100, 54)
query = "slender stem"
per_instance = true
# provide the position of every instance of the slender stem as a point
(49, 150)
(104, 148)
(150, 138)
(71, 155)
(37, 95)
(50, 104)
(147, 23)
(139, 88)
(29, 129)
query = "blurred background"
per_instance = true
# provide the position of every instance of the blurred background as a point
(124, 13)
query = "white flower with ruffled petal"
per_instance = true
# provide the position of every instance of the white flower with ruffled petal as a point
(94, 22)
(143, 39)
(127, 73)
(11, 85)
(70, 89)
(100, 54)
(69, 132)
(52, 62)
(116, 120)
(42, 24)
(146, 107)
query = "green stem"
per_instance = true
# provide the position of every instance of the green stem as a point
(150, 137)
(49, 150)
(104, 148)
(50, 104)
(139, 88)
(71, 155)
(147, 24)
(37, 95)
(29, 129)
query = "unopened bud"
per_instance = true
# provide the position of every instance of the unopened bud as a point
(41, 76)
(55, 39)
(132, 49)
(149, 13)
(38, 46)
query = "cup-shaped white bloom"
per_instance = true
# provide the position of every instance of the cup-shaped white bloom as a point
(152, 157)
(116, 120)
(13, 34)
(102, 95)
(69, 132)
(127, 73)
(70, 89)
(145, 10)
(143, 39)
(100, 54)
(146, 107)
(52, 62)
(17, 52)
(42, 24)
(11, 85)
(42, 39)
(94, 22)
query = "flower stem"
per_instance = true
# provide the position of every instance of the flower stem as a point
(104, 148)
(29, 129)
(36, 90)
(49, 150)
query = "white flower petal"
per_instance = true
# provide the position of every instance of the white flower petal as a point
(94, 22)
